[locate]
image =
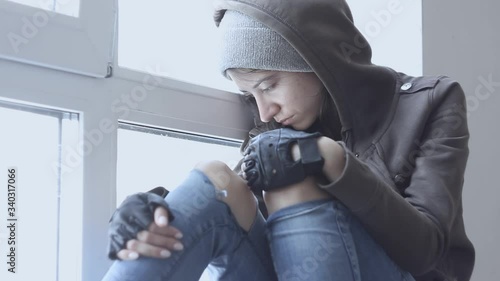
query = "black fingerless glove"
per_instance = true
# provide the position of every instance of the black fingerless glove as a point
(269, 163)
(134, 214)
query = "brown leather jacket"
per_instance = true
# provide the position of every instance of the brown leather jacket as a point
(406, 138)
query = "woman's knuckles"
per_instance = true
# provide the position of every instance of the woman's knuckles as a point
(132, 244)
(143, 235)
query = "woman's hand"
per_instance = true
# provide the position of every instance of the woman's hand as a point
(269, 163)
(331, 152)
(158, 241)
(140, 226)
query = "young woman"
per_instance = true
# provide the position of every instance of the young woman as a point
(361, 167)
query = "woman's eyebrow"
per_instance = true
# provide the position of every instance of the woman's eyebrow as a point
(264, 79)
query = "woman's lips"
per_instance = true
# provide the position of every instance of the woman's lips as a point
(287, 121)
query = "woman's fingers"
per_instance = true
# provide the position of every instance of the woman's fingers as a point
(242, 173)
(145, 249)
(161, 216)
(161, 224)
(250, 163)
(153, 239)
(127, 255)
(157, 242)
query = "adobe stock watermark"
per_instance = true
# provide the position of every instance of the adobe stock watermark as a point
(455, 118)
(326, 246)
(31, 26)
(73, 155)
(381, 19)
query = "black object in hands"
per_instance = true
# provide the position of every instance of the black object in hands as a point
(135, 214)
(269, 163)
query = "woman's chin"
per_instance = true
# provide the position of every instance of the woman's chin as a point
(298, 127)
(301, 126)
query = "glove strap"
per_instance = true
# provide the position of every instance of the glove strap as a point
(310, 156)
(160, 190)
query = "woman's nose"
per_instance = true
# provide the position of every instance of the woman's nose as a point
(267, 109)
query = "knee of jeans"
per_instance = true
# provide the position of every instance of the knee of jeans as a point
(196, 198)
(232, 190)
(217, 171)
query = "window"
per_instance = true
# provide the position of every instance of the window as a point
(69, 35)
(179, 43)
(150, 157)
(48, 204)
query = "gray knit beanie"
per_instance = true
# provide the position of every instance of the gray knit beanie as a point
(246, 43)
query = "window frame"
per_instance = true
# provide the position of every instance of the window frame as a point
(25, 30)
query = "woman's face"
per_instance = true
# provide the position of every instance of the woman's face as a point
(291, 98)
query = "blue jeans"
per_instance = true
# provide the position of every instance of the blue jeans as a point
(316, 240)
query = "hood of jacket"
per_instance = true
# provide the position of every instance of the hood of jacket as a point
(323, 33)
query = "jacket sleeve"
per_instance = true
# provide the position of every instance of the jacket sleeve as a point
(414, 227)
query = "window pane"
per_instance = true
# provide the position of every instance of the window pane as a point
(66, 7)
(171, 38)
(32, 142)
(150, 158)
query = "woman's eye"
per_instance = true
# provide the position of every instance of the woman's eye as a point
(268, 89)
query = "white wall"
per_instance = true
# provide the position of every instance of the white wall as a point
(462, 40)
(394, 30)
